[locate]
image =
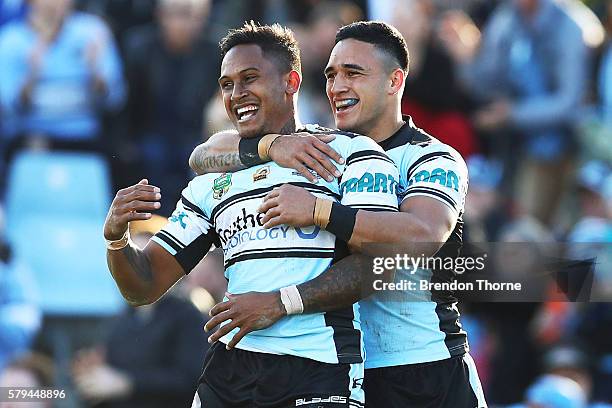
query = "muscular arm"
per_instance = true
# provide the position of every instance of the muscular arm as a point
(218, 154)
(142, 275)
(421, 227)
(422, 223)
(300, 151)
(342, 284)
(421, 219)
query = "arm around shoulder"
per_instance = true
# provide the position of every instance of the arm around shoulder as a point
(218, 154)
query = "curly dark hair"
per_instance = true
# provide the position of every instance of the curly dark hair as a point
(274, 40)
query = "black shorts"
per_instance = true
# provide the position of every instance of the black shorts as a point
(244, 379)
(450, 383)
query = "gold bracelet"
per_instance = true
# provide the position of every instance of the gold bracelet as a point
(264, 145)
(322, 211)
(118, 244)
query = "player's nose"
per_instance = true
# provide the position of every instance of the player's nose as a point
(338, 86)
(238, 92)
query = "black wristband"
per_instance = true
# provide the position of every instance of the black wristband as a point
(248, 151)
(342, 221)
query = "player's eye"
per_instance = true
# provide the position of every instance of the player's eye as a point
(351, 74)
(250, 78)
(330, 76)
(226, 85)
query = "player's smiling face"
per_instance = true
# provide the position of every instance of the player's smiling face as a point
(356, 82)
(253, 91)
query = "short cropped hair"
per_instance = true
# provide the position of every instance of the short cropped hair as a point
(382, 35)
(274, 40)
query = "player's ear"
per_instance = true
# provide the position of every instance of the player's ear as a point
(293, 82)
(397, 79)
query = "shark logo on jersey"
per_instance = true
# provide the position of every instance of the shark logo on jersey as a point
(261, 174)
(178, 217)
(221, 185)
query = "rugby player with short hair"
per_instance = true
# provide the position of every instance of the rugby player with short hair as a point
(417, 352)
(310, 359)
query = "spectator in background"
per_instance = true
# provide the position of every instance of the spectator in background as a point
(553, 391)
(591, 236)
(433, 95)
(60, 70)
(485, 210)
(568, 360)
(596, 126)
(172, 71)
(154, 354)
(20, 317)
(604, 84)
(529, 70)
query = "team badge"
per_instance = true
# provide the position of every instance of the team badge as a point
(178, 217)
(261, 173)
(221, 185)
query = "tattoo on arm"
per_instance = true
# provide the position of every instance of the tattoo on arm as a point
(341, 285)
(140, 262)
(209, 163)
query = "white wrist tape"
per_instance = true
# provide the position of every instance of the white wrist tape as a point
(291, 299)
(118, 244)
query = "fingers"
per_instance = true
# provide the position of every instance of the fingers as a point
(271, 213)
(323, 137)
(218, 319)
(132, 203)
(305, 172)
(138, 189)
(218, 308)
(223, 331)
(314, 164)
(139, 197)
(272, 194)
(328, 151)
(237, 337)
(267, 205)
(273, 222)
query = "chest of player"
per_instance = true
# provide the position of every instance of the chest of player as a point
(236, 198)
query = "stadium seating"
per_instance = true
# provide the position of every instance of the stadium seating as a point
(56, 204)
(57, 184)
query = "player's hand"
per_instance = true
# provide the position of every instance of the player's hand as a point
(132, 203)
(288, 204)
(249, 311)
(303, 151)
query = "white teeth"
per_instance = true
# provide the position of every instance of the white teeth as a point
(246, 116)
(246, 109)
(246, 112)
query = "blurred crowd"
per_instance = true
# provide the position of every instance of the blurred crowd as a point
(521, 88)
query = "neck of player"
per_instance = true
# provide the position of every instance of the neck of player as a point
(386, 126)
